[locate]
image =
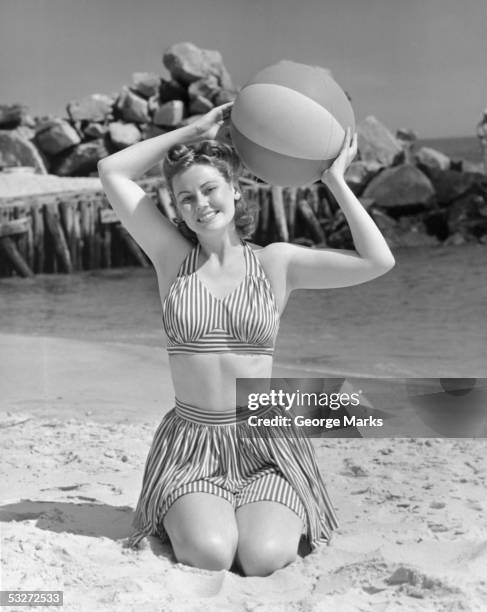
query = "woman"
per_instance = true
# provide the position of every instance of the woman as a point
(222, 495)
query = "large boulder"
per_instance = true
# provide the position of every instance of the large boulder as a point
(376, 142)
(452, 184)
(200, 105)
(187, 63)
(94, 130)
(12, 115)
(406, 233)
(431, 158)
(18, 151)
(82, 160)
(132, 107)
(172, 90)
(207, 87)
(153, 104)
(400, 186)
(169, 114)
(201, 93)
(95, 107)
(149, 130)
(359, 173)
(123, 134)
(24, 131)
(56, 136)
(146, 84)
(468, 215)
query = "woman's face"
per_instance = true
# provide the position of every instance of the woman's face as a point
(205, 200)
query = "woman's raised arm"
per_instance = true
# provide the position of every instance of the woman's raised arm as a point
(327, 268)
(150, 228)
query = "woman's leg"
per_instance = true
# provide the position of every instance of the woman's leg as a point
(269, 534)
(202, 530)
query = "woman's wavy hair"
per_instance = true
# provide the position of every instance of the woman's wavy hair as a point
(180, 157)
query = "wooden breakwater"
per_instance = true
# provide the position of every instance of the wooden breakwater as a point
(72, 231)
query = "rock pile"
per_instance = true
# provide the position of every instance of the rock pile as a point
(417, 196)
(99, 124)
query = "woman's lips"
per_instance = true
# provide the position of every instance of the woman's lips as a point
(207, 216)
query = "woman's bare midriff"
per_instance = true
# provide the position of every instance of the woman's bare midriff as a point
(208, 380)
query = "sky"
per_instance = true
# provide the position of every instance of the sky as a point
(417, 64)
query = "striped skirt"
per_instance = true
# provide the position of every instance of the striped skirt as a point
(194, 450)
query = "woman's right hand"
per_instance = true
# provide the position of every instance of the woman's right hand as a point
(208, 126)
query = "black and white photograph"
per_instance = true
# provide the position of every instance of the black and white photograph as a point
(243, 288)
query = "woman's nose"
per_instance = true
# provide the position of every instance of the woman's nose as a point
(201, 200)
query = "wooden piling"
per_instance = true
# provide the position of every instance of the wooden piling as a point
(10, 250)
(77, 258)
(38, 231)
(291, 206)
(279, 214)
(107, 246)
(91, 236)
(21, 241)
(53, 224)
(313, 199)
(30, 241)
(311, 220)
(96, 233)
(106, 219)
(66, 210)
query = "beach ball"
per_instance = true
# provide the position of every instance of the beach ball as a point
(288, 123)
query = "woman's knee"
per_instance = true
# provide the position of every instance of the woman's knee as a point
(211, 551)
(265, 557)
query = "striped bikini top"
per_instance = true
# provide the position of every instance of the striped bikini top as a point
(244, 321)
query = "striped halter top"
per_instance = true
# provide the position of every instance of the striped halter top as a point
(244, 321)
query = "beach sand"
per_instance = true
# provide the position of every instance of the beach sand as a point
(75, 435)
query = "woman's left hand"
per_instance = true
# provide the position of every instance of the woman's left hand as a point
(344, 158)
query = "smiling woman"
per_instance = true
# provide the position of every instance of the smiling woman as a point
(222, 495)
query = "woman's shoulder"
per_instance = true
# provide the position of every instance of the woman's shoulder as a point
(273, 258)
(270, 252)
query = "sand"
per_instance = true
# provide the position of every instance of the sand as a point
(75, 434)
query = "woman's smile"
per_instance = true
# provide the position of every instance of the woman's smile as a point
(207, 216)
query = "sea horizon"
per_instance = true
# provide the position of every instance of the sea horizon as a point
(456, 147)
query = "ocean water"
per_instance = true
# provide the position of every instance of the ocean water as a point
(425, 318)
(467, 147)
